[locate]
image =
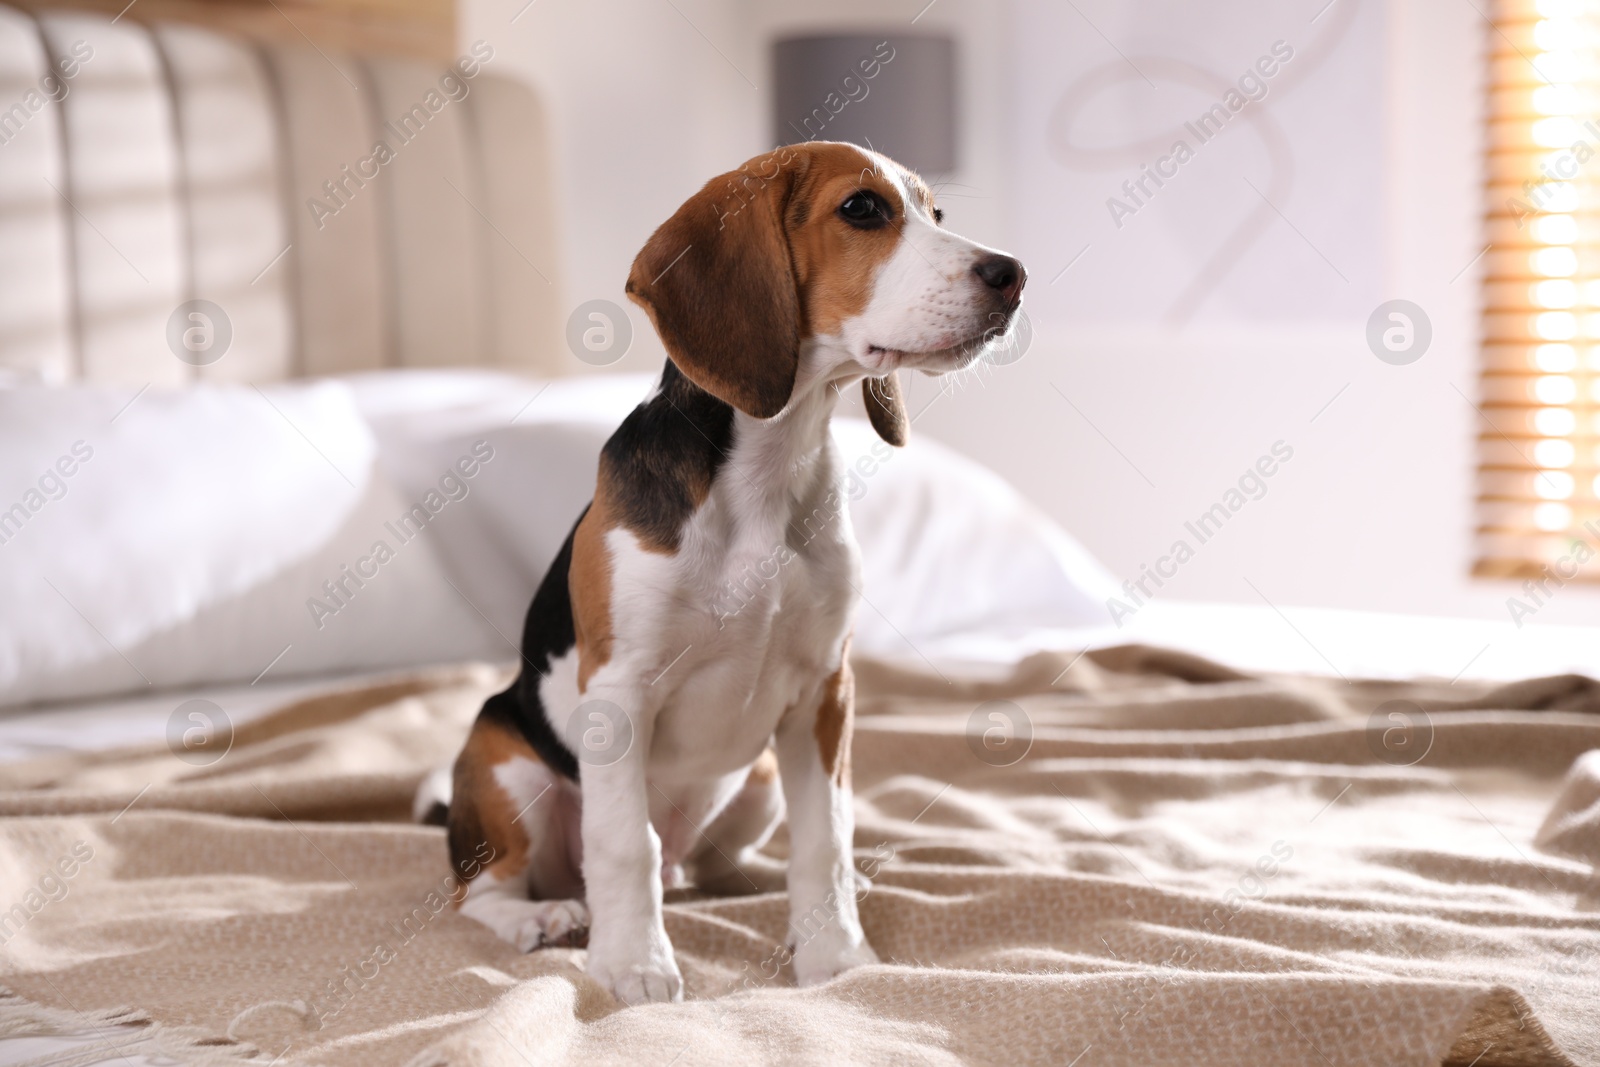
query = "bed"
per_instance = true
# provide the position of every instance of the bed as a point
(1212, 833)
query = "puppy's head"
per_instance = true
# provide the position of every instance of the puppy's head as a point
(827, 250)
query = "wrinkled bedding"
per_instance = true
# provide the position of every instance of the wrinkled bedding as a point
(1130, 856)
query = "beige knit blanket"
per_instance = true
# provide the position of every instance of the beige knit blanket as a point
(1133, 857)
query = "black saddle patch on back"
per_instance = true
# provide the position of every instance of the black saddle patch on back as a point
(547, 635)
(660, 463)
(658, 467)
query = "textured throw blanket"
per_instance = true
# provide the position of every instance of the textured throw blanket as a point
(1131, 857)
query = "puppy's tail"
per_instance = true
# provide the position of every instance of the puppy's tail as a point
(432, 804)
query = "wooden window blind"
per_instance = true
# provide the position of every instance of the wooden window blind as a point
(1538, 493)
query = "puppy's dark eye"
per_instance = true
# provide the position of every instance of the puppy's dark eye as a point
(865, 211)
(938, 214)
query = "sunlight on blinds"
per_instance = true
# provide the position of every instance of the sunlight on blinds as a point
(1539, 472)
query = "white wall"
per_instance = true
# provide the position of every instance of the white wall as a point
(650, 99)
(1374, 510)
(643, 112)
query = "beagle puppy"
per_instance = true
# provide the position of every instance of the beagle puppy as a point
(643, 744)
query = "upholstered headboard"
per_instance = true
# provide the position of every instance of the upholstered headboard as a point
(344, 213)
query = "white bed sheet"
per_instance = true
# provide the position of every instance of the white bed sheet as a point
(1351, 644)
(143, 718)
(1340, 643)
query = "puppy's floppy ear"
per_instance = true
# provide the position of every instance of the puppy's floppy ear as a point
(886, 409)
(718, 281)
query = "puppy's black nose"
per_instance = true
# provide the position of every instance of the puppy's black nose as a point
(1006, 276)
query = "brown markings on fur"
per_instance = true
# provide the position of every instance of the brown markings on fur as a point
(758, 260)
(886, 408)
(589, 584)
(483, 830)
(716, 281)
(835, 264)
(835, 719)
(764, 771)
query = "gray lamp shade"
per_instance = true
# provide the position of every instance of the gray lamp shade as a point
(895, 92)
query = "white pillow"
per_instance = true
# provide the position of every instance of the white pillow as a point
(546, 437)
(950, 551)
(952, 555)
(184, 537)
(193, 538)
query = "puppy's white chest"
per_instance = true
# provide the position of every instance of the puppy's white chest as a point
(765, 645)
(763, 641)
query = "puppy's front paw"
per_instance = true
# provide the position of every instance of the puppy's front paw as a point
(817, 961)
(649, 979)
